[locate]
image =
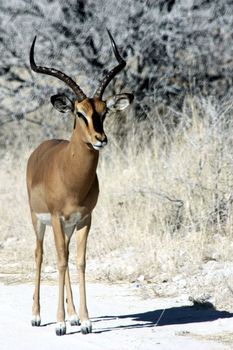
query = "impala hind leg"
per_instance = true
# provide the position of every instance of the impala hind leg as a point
(39, 230)
(62, 245)
(86, 326)
(73, 317)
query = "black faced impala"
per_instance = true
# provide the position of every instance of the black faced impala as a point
(63, 186)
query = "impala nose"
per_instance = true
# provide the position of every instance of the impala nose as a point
(103, 139)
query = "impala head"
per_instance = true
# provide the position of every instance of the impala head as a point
(89, 112)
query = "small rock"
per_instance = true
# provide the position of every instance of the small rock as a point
(141, 278)
(49, 269)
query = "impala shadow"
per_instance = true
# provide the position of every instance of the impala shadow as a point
(163, 317)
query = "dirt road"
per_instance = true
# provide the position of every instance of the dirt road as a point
(121, 320)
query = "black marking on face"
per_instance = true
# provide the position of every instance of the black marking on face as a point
(74, 122)
(96, 119)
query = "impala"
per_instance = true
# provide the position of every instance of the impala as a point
(63, 186)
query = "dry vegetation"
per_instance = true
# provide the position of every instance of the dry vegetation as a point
(166, 177)
(165, 208)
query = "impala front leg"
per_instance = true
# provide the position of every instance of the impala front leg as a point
(82, 235)
(62, 243)
(73, 317)
(39, 230)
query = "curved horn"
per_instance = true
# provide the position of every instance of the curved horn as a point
(111, 74)
(56, 73)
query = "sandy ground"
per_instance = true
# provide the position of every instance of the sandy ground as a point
(122, 319)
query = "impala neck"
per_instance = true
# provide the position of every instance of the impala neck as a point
(82, 162)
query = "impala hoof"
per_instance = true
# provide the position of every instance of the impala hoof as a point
(36, 321)
(60, 328)
(74, 320)
(86, 327)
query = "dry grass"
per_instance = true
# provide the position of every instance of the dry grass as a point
(165, 208)
(224, 337)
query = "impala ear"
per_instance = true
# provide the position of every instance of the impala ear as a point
(119, 102)
(62, 103)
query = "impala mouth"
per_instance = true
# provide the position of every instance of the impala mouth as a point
(99, 145)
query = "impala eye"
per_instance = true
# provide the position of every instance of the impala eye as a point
(80, 115)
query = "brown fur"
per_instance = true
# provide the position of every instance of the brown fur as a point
(63, 190)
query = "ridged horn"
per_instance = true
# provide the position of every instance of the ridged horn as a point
(56, 73)
(113, 72)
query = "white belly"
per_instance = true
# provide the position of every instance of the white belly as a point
(44, 218)
(75, 219)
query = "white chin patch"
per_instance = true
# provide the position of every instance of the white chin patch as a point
(97, 148)
(98, 145)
